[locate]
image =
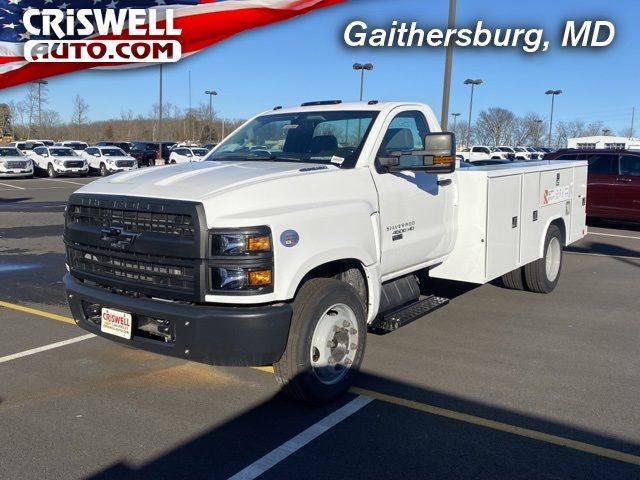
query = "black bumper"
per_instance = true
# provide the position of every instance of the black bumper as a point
(216, 335)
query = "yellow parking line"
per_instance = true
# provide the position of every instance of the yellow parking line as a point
(503, 427)
(35, 311)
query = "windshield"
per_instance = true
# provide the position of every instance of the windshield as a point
(199, 152)
(314, 137)
(76, 145)
(10, 152)
(519, 149)
(112, 152)
(62, 152)
(505, 149)
(494, 149)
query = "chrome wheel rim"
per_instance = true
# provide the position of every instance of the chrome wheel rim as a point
(552, 264)
(334, 344)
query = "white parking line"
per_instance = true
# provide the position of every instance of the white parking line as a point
(51, 346)
(288, 448)
(603, 255)
(613, 235)
(12, 186)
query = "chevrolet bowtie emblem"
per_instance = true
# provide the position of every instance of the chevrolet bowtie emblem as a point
(118, 238)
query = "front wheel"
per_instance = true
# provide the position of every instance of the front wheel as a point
(103, 170)
(51, 171)
(542, 275)
(326, 341)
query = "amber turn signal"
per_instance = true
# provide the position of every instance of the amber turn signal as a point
(259, 278)
(259, 244)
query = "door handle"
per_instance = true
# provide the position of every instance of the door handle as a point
(447, 181)
(623, 179)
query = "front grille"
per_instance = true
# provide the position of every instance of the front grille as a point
(124, 163)
(17, 164)
(133, 217)
(74, 164)
(164, 272)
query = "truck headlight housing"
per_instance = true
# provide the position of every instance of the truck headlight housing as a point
(241, 261)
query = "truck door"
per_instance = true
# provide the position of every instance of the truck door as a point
(416, 208)
(628, 187)
(600, 190)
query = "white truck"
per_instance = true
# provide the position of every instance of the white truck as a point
(304, 229)
(483, 152)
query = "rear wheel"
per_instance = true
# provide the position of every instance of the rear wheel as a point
(514, 279)
(326, 341)
(542, 275)
(51, 172)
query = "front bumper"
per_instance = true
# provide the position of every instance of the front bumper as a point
(13, 173)
(60, 170)
(215, 335)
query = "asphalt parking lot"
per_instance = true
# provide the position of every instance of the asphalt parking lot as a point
(499, 384)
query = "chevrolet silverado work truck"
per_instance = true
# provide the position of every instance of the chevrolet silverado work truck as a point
(303, 230)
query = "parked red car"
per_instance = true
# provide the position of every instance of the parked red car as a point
(613, 189)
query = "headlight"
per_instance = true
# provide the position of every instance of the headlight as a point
(109, 160)
(58, 162)
(255, 241)
(241, 261)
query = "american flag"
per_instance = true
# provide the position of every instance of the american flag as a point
(203, 23)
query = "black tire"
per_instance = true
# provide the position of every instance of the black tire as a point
(103, 170)
(535, 273)
(51, 173)
(514, 279)
(294, 371)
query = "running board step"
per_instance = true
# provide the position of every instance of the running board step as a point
(399, 318)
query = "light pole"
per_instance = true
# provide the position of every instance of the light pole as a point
(538, 124)
(40, 83)
(553, 94)
(159, 157)
(362, 68)
(606, 131)
(455, 121)
(211, 93)
(446, 84)
(473, 83)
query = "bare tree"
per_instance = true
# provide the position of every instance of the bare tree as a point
(494, 126)
(79, 115)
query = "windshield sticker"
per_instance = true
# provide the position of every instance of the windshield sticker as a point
(289, 127)
(337, 160)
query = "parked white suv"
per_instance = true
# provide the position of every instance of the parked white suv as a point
(14, 164)
(187, 154)
(25, 146)
(108, 160)
(77, 146)
(57, 161)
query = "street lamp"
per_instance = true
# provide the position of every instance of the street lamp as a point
(40, 83)
(448, 60)
(553, 94)
(211, 93)
(362, 68)
(606, 131)
(473, 83)
(455, 120)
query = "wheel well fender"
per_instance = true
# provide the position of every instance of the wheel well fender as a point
(560, 223)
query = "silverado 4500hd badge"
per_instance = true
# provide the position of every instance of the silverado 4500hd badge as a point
(398, 231)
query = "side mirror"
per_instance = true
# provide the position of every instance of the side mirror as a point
(45, 155)
(438, 156)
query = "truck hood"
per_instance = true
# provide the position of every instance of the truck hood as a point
(197, 181)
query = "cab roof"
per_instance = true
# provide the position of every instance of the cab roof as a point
(332, 105)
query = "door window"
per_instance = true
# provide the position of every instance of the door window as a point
(630, 165)
(406, 133)
(602, 164)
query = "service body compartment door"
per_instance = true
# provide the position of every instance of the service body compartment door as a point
(531, 218)
(578, 206)
(503, 225)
